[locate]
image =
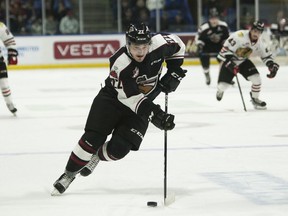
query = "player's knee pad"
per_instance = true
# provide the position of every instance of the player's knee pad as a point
(94, 138)
(3, 69)
(82, 152)
(255, 79)
(117, 148)
(86, 147)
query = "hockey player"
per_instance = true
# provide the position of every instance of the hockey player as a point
(235, 56)
(279, 36)
(209, 40)
(280, 29)
(9, 42)
(124, 106)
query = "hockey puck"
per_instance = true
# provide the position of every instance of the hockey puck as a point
(152, 204)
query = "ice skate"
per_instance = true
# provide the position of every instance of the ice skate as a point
(62, 184)
(12, 108)
(90, 166)
(219, 95)
(258, 104)
(207, 77)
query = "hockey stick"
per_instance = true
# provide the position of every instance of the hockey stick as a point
(168, 199)
(241, 93)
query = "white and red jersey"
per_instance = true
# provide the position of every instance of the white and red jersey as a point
(6, 37)
(133, 82)
(240, 47)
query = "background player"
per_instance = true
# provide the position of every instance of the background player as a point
(235, 56)
(124, 106)
(209, 40)
(279, 36)
(9, 42)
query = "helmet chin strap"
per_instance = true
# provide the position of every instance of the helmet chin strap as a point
(128, 50)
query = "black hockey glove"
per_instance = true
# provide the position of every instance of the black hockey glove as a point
(232, 67)
(162, 120)
(12, 57)
(170, 81)
(273, 68)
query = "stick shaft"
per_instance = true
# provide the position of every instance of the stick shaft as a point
(165, 150)
(241, 93)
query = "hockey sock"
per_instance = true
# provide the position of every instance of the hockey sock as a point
(5, 89)
(205, 70)
(222, 86)
(255, 90)
(80, 156)
(256, 85)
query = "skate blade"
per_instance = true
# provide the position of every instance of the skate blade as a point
(55, 192)
(260, 108)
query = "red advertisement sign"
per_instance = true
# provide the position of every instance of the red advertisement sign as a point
(85, 49)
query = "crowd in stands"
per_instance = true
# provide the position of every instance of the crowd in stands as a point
(25, 17)
(173, 13)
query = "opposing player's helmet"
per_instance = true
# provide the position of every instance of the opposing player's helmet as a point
(213, 12)
(138, 34)
(258, 25)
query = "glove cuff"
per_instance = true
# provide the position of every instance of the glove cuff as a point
(269, 63)
(12, 52)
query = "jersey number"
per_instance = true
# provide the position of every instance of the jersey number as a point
(116, 83)
(232, 42)
(168, 39)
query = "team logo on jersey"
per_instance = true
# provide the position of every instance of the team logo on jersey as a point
(215, 38)
(113, 74)
(135, 72)
(244, 52)
(146, 85)
(115, 82)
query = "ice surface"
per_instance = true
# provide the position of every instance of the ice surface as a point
(222, 161)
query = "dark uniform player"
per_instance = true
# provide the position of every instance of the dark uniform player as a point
(124, 106)
(235, 56)
(279, 36)
(280, 29)
(209, 40)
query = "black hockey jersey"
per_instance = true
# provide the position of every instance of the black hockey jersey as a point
(132, 82)
(212, 38)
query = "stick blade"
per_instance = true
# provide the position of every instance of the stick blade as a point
(170, 198)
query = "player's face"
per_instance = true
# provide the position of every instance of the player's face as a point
(139, 51)
(214, 21)
(255, 34)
